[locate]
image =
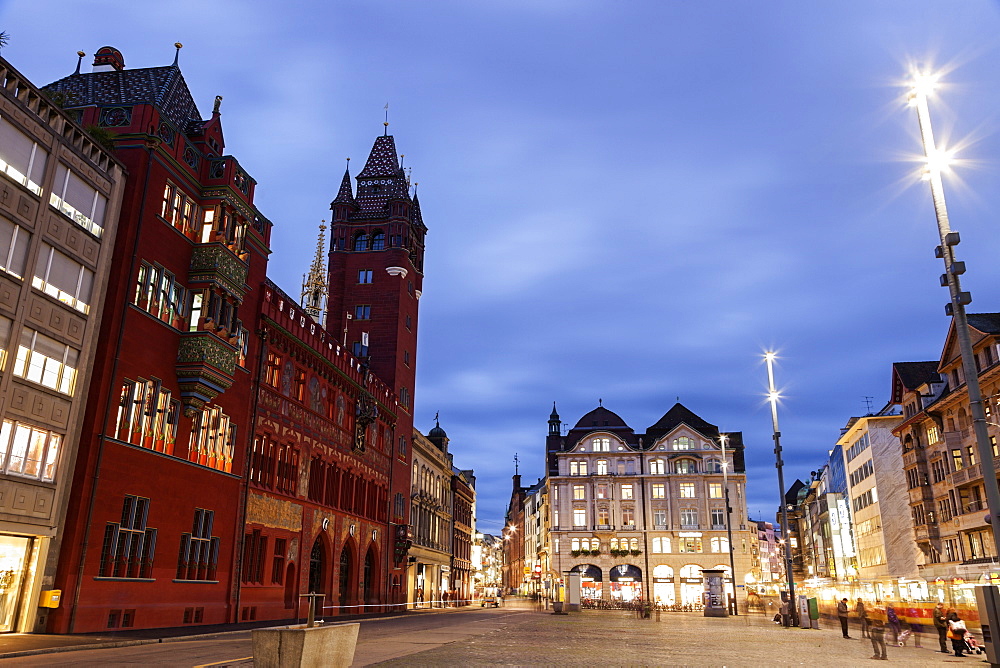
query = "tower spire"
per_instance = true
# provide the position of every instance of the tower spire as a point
(314, 286)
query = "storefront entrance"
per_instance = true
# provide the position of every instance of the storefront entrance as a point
(14, 554)
(626, 583)
(663, 585)
(591, 581)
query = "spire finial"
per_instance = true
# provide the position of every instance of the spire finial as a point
(600, 403)
(385, 132)
(177, 54)
(79, 61)
(437, 420)
(516, 461)
(314, 287)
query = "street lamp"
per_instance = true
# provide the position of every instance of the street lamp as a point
(772, 396)
(937, 161)
(729, 520)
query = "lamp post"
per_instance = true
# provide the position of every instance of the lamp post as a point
(729, 519)
(937, 161)
(772, 396)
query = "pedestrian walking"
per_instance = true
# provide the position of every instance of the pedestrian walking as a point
(941, 624)
(916, 628)
(893, 621)
(876, 629)
(956, 632)
(862, 617)
(842, 616)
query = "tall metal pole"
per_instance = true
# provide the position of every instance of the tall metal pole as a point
(772, 395)
(922, 86)
(729, 519)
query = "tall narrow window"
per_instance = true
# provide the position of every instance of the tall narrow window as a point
(64, 278)
(29, 451)
(13, 248)
(129, 545)
(199, 552)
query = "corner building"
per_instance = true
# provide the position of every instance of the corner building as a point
(640, 515)
(236, 455)
(60, 193)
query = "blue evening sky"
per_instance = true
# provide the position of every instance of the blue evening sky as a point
(627, 200)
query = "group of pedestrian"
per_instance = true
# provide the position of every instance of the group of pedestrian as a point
(873, 626)
(950, 626)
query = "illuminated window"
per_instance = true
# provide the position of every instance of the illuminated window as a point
(602, 467)
(715, 490)
(685, 466)
(578, 492)
(686, 490)
(44, 360)
(657, 466)
(661, 545)
(602, 444)
(5, 326)
(683, 443)
(213, 438)
(628, 516)
(578, 468)
(272, 370)
(29, 451)
(64, 278)
(80, 202)
(659, 491)
(627, 491)
(932, 435)
(579, 517)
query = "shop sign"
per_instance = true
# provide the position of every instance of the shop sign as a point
(689, 534)
(692, 580)
(662, 580)
(625, 580)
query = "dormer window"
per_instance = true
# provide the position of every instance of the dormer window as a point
(602, 444)
(602, 467)
(683, 443)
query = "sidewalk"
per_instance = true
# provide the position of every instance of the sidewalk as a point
(13, 645)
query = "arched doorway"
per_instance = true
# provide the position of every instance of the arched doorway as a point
(317, 563)
(663, 585)
(591, 580)
(290, 586)
(345, 575)
(369, 576)
(626, 582)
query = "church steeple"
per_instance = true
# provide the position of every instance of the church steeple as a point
(344, 204)
(314, 286)
(554, 423)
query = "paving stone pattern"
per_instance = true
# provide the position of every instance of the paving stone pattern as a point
(616, 638)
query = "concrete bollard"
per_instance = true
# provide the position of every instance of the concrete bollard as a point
(301, 647)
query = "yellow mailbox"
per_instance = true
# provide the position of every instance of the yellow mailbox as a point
(50, 598)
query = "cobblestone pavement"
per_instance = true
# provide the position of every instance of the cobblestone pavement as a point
(616, 638)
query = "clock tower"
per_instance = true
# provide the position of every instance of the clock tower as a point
(376, 272)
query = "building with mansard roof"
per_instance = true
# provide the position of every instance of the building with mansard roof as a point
(640, 515)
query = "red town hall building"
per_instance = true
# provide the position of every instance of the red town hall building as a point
(238, 452)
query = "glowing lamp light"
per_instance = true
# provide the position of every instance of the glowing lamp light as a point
(773, 396)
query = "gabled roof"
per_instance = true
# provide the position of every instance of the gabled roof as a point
(162, 87)
(908, 376)
(987, 324)
(680, 414)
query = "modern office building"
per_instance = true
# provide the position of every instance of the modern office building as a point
(60, 196)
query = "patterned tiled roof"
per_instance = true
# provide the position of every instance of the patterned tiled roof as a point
(382, 178)
(346, 194)
(163, 87)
